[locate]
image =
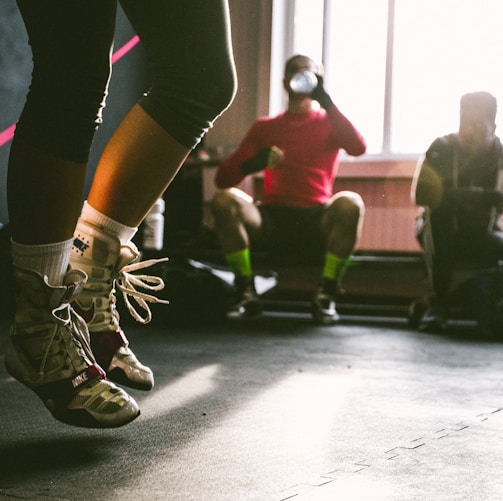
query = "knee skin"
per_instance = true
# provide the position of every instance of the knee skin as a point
(342, 223)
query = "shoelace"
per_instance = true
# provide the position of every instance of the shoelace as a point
(126, 282)
(65, 316)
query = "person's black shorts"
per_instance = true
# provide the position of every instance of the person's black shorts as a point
(292, 234)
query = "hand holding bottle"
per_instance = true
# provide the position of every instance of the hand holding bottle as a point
(309, 84)
(320, 94)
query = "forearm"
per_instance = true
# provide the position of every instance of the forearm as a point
(228, 174)
(348, 136)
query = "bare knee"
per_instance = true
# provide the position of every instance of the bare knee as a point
(233, 207)
(342, 222)
(225, 203)
(347, 207)
(221, 203)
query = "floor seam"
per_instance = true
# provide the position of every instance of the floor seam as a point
(395, 453)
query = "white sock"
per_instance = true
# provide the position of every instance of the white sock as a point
(122, 232)
(49, 260)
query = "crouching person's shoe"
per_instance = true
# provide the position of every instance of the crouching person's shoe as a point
(48, 351)
(108, 266)
(245, 302)
(323, 308)
(435, 318)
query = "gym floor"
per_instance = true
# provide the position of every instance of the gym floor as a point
(276, 409)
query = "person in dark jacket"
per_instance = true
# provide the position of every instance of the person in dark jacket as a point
(459, 185)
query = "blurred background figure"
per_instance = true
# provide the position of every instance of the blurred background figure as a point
(459, 184)
(297, 151)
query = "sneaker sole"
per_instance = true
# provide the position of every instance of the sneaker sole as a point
(118, 376)
(76, 417)
(320, 319)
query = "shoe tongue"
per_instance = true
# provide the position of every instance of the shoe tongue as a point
(127, 255)
(73, 284)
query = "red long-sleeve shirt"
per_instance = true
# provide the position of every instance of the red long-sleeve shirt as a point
(311, 143)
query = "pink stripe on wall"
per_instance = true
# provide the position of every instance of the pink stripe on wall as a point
(8, 133)
(125, 49)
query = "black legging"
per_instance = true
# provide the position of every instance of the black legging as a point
(189, 56)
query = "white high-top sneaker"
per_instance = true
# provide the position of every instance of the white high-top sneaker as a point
(48, 351)
(108, 265)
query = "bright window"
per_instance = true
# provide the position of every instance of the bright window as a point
(397, 68)
(307, 34)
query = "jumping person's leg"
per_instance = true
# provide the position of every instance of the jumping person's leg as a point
(71, 44)
(48, 346)
(193, 80)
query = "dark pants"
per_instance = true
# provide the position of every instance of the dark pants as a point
(476, 246)
(292, 234)
(189, 56)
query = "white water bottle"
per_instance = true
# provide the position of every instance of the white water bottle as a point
(153, 227)
(303, 82)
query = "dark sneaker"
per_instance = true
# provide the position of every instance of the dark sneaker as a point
(434, 319)
(108, 266)
(246, 303)
(323, 308)
(48, 351)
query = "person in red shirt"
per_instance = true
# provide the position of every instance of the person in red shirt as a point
(300, 215)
